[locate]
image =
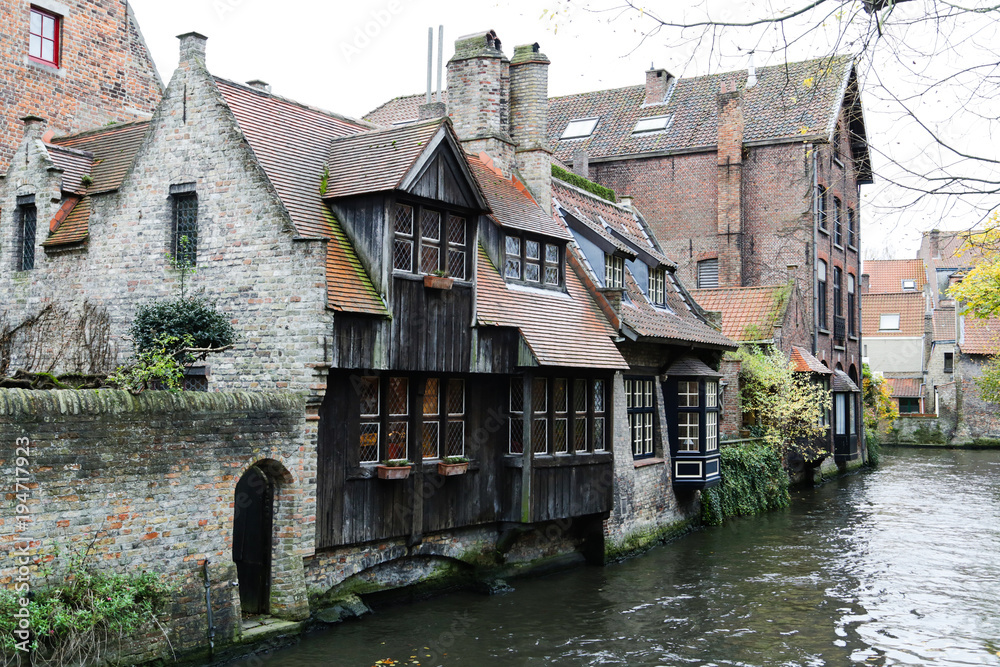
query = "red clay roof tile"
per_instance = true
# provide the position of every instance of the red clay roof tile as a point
(804, 362)
(561, 329)
(944, 324)
(904, 387)
(74, 164)
(678, 323)
(910, 307)
(749, 314)
(979, 336)
(71, 223)
(114, 149)
(887, 275)
(512, 206)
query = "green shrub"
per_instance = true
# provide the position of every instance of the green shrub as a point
(84, 616)
(584, 184)
(753, 482)
(874, 442)
(155, 367)
(188, 322)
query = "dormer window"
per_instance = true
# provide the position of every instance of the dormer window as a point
(427, 240)
(614, 272)
(579, 128)
(533, 261)
(657, 292)
(654, 124)
(43, 40)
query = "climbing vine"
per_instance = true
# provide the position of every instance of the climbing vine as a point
(753, 482)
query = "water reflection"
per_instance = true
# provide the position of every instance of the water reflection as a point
(896, 567)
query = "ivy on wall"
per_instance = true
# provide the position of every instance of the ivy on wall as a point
(753, 482)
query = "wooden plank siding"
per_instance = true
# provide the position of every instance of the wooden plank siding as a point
(431, 328)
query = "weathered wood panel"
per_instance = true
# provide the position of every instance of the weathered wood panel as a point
(431, 328)
(356, 341)
(363, 219)
(560, 491)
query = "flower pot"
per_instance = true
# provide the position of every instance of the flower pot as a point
(438, 282)
(393, 472)
(448, 469)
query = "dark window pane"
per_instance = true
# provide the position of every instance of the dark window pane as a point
(29, 218)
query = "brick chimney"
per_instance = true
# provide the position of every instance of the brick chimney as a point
(730, 183)
(476, 97)
(192, 48)
(581, 162)
(934, 237)
(262, 86)
(657, 83)
(529, 114)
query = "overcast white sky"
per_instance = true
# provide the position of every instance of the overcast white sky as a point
(351, 57)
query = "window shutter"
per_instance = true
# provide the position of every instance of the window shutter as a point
(708, 274)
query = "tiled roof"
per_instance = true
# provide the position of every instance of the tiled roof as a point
(71, 224)
(804, 362)
(402, 109)
(677, 324)
(944, 324)
(689, 365)
(980, 336)
(75, 165)
(602, 216)
(795, 100)
(377, 161)
(348, 287)
(748, 313)
(904, 387)
(950, 245)
(909, 306)
(511, 204)
(114, 149)
(887, 275)
(842, 382)
(291, 142)
(560, 329)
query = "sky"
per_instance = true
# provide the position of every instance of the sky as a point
(352, 57)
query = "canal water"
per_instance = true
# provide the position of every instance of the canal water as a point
(900, 566)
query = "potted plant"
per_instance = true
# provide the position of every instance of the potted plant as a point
(394, 469)
(453, 465)
(439, 280)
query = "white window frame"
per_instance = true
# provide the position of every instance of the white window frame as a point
(579, 128)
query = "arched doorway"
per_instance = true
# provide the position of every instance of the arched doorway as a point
(252, 528)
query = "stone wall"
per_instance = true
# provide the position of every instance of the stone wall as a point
(147, 483)
(105, 70)
(250, 262)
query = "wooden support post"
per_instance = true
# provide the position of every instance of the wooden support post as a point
(527, 450)
(417, 454)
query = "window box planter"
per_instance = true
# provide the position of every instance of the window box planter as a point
(449, 469)
(438, 282)
(393, 472)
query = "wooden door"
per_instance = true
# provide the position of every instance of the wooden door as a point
(252, 540)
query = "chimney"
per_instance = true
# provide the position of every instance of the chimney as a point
(529, 114)
(935, 243)
(34, 126)
(730, 183)
(865, 283)
(751, 73)
(476, 95)
(433, 107)
(263, 86)
(657, 82)
(192, 48)
(581, 162)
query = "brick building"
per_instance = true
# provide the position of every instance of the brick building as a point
(80, 63)
(746, 179)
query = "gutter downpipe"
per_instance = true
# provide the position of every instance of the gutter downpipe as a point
(208, 606)
(815, 242)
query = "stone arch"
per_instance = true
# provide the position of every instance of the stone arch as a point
(285, 583)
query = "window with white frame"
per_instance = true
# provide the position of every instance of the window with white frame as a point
(657, 292)
(653, 124)
(639, 405)
(888, 322)
(614, 271)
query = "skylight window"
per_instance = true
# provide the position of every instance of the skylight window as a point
(888, 322)
(909, 285)
(579, 128)
(654, 124)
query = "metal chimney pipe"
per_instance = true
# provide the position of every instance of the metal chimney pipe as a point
(430, 62)
(440, 58)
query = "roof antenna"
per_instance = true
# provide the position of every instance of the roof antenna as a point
(751, 73)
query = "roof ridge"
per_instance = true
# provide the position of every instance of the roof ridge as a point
(69, 149)
(377, 130)
(590, 195)
(101, 130)
(303, 105)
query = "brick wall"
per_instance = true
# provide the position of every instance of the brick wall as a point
(250, 263)
(105, 74)
(148, 483)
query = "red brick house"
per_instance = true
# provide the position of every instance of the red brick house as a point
(83, 61)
